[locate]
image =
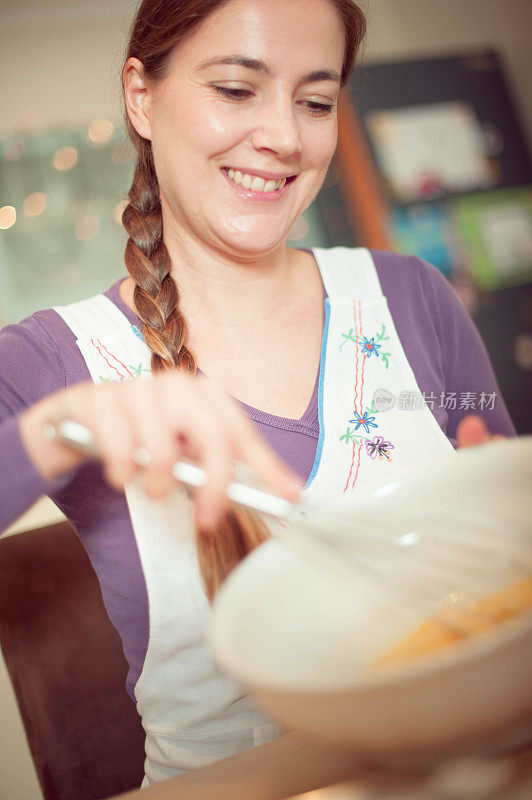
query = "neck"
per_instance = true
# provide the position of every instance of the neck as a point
(226, 288)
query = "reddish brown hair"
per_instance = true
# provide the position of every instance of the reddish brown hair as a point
(159, 26)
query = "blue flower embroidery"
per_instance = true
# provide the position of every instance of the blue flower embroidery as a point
(363, 420)
(369, 347)
(378, 447)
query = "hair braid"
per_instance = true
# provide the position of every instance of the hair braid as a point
(147, 260)
(164, 328)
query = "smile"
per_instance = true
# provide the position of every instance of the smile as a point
(257, 187)
(254, 182)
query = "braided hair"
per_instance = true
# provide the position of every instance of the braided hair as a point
(158, 27)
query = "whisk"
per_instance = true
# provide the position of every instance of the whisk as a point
(429, 558)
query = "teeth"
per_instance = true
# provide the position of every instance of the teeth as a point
(255, 183)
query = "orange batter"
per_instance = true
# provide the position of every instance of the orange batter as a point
(455, 624)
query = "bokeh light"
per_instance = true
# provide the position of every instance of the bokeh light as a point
(299, 229)
(8, 217)
(100, 131)
(35, 203)
(119, 210)
(87, 227)
(25, 121)
(65, 158)
(14, 150)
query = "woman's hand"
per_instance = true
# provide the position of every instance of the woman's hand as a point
(472, 430)
(174, 415)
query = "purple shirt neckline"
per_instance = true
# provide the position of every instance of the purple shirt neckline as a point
(311, 412)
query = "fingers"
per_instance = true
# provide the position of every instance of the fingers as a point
(171, 416)
(472, 431)
(250, 447)
(194, 416)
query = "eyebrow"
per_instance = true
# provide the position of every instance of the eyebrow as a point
(260, 66)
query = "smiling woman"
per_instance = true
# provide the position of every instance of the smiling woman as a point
(232, 108)
(263, 107)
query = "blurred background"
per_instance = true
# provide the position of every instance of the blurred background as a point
(434, 160)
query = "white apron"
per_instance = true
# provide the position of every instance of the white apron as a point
(192, 712)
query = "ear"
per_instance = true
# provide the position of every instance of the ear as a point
(137, 96)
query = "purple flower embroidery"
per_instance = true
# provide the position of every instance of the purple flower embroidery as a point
(378, 447)
(363, 420)
(369, 347)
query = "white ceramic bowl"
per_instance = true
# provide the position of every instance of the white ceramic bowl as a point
(300, 638)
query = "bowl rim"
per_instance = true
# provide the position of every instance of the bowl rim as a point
(444, 660)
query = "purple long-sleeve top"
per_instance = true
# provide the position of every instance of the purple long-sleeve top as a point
(39, 356)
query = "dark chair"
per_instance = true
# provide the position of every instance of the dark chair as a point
(67, 667)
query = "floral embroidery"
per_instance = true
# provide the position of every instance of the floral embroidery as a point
(378, 447)
(369, 346)
(348, 337)
(138, 370)
(364, 421)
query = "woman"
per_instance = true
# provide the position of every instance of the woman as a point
(232, 109)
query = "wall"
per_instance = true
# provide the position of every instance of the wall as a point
(62, 61)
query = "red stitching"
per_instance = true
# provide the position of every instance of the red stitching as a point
(351, 470)
(116, 358)
(362, 383)
(356, 350)
(105, 359)
(358, 466)
(363, 363)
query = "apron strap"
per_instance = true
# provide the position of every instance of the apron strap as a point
(95, 315)
(348, 272)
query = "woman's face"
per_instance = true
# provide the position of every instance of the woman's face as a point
(252, 92)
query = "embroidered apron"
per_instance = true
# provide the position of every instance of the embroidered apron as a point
(192, 712)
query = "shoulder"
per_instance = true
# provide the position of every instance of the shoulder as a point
(409, 281)
(38, 356)
(31, 359)
(396, 269)
(44, 331)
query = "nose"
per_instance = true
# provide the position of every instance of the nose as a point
(277, 128)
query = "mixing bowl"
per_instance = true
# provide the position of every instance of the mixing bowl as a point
(301, 631)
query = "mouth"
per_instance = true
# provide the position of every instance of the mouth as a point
(265, 183)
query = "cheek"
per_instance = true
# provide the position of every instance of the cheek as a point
(213, 130)
(319, 147)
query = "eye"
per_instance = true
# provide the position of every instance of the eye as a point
(233, 94)
(319, 109)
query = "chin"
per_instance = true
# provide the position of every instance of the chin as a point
(253, 242)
